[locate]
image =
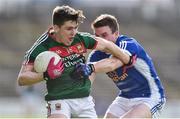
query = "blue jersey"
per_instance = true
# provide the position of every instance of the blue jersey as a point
(140, 80)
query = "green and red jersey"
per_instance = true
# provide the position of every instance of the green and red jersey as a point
(64, 87)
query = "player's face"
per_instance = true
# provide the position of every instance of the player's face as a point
(66, 33)
(106, 33)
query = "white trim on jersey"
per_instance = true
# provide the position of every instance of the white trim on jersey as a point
(144, 69)
(123, 45)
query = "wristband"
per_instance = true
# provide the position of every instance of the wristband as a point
(92, 67)
(131, 60)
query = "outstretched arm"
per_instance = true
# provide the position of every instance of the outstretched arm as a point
(113, 49)
(107, 65)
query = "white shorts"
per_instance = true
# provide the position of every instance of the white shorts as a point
(122, 105)
(79, 107)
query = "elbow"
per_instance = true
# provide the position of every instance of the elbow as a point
(20, 84)
(20, 81)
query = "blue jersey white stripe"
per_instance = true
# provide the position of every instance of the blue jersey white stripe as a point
(141, 80)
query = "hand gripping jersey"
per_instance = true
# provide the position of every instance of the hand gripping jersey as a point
(64, 87)
(140, 80)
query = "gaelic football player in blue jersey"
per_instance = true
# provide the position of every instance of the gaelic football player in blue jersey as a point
(141, 94)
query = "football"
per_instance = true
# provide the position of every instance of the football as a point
(42, 60)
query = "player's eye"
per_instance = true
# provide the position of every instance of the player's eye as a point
(69, 28)
(104, 35)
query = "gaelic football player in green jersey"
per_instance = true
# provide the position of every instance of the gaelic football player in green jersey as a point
(67, 95)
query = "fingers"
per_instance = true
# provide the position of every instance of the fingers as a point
(60, 63)
(51, 62)
(80, 66)
(77, 66)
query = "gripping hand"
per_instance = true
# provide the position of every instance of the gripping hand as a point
(53, 71)
(82, 71)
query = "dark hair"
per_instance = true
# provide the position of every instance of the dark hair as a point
(66, 13)
(106, 20)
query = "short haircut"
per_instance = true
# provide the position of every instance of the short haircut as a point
(64, 13)
(106, 20)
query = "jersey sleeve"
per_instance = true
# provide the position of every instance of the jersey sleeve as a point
(28, 58)
(88, 40)
(32, 53)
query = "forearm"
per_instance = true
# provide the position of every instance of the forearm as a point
(106, 65)
(117, 52)
(101, 67)
(29, 78)
(88, 70)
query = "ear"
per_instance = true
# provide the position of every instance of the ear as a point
(116, 34)
(56, 28)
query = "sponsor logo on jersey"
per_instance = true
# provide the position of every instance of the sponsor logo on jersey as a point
(73, 60)
(70, 55)
(114, 76)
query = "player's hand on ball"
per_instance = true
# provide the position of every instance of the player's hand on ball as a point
(54, 71)
(82, 71)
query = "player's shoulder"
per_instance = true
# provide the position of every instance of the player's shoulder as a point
(40, 41)
(97, 53)
(43, 37)
(94, 52)
(125, 38)
(83, 34)
(94, 55)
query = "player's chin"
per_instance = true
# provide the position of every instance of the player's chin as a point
(68, 43)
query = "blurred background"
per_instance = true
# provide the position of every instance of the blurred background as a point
(154, 23)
